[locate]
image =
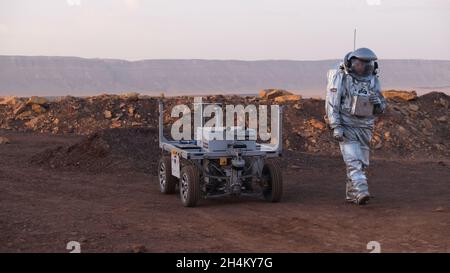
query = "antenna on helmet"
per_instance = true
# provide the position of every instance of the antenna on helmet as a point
(354, 39)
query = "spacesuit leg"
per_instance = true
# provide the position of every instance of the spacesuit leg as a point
(355, 152)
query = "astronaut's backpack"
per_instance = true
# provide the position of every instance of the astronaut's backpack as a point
(334, 78)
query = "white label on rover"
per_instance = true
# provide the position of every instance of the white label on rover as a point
(175, 164)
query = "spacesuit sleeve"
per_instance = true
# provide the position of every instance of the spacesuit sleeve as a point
(333, 98)
(379, 108)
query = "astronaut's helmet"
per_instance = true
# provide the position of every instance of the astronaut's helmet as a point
(361, 62)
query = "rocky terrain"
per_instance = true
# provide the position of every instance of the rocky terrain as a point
(84, 169)
(412, 127)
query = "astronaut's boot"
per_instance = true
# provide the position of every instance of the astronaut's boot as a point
(357, 192)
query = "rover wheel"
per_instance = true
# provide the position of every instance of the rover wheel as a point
(272, 181)
(189, 185)
(167, 182)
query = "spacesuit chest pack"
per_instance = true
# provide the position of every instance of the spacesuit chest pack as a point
(359, 93)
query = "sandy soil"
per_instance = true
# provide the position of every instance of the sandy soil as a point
(42, 209)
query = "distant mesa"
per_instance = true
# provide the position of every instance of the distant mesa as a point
(58, 76)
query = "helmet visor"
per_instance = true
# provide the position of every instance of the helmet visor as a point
(362, 67)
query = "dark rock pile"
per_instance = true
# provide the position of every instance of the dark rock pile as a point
(416, 127)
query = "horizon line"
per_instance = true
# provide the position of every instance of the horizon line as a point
(207, 59)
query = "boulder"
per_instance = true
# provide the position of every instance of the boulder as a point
(277, 93)
(273, 93)
(400, 95)
(37, 108)
(263, 92)
(133, 96)
(287, 98)
(37, 100)
(9, 100)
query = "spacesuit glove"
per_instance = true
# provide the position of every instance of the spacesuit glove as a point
(374, 99)
(338, 133)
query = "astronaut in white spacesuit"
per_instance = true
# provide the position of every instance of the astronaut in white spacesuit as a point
(353, 100)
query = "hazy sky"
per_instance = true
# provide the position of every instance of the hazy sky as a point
(224, 29)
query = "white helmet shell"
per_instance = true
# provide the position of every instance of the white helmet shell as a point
(364, 54)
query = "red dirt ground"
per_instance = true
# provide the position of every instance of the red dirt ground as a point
(120, 211)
